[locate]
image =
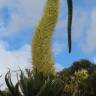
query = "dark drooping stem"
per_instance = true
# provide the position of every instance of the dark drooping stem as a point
(70, 16)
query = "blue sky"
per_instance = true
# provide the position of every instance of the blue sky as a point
(18, 20)
(83, 32)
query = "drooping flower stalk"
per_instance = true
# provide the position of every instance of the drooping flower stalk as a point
(70, 13)
(41, 44)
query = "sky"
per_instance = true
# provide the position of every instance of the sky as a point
(18, 20)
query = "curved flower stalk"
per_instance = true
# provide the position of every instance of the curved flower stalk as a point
(41, 45)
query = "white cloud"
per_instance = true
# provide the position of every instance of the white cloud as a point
(90, 37)
(79, 24)
(21, 15)
(14, 60)
(59, 67)
(80, 17)
(83, 29)
(57, 48)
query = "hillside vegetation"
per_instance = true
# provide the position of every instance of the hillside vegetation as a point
(77, 80)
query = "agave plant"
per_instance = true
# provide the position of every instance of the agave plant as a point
(40, 85)
(41, 44)
(33, 85)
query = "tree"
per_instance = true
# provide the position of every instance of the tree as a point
(73, 86)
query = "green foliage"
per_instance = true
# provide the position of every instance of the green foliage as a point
(39, 85)
(79, 79)
(73, 86)
(80, 82)
(33, 85)
(78, 65)
(41, 45)
(83, 64)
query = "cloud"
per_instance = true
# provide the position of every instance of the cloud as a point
(90, 37)
(59, 67)
(14, 60)
(21, 57)
(57, 48)
(83, 29)
(19, 15)
(79, 24)
(80, 17)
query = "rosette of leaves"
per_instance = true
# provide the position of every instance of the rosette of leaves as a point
(33, 85)
(40, 85)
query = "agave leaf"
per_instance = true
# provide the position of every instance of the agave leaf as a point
(43, 91)
(17, 92)
(23, 84)
(9, 83)
(51, 88)
(12, 90)
(2, 93)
